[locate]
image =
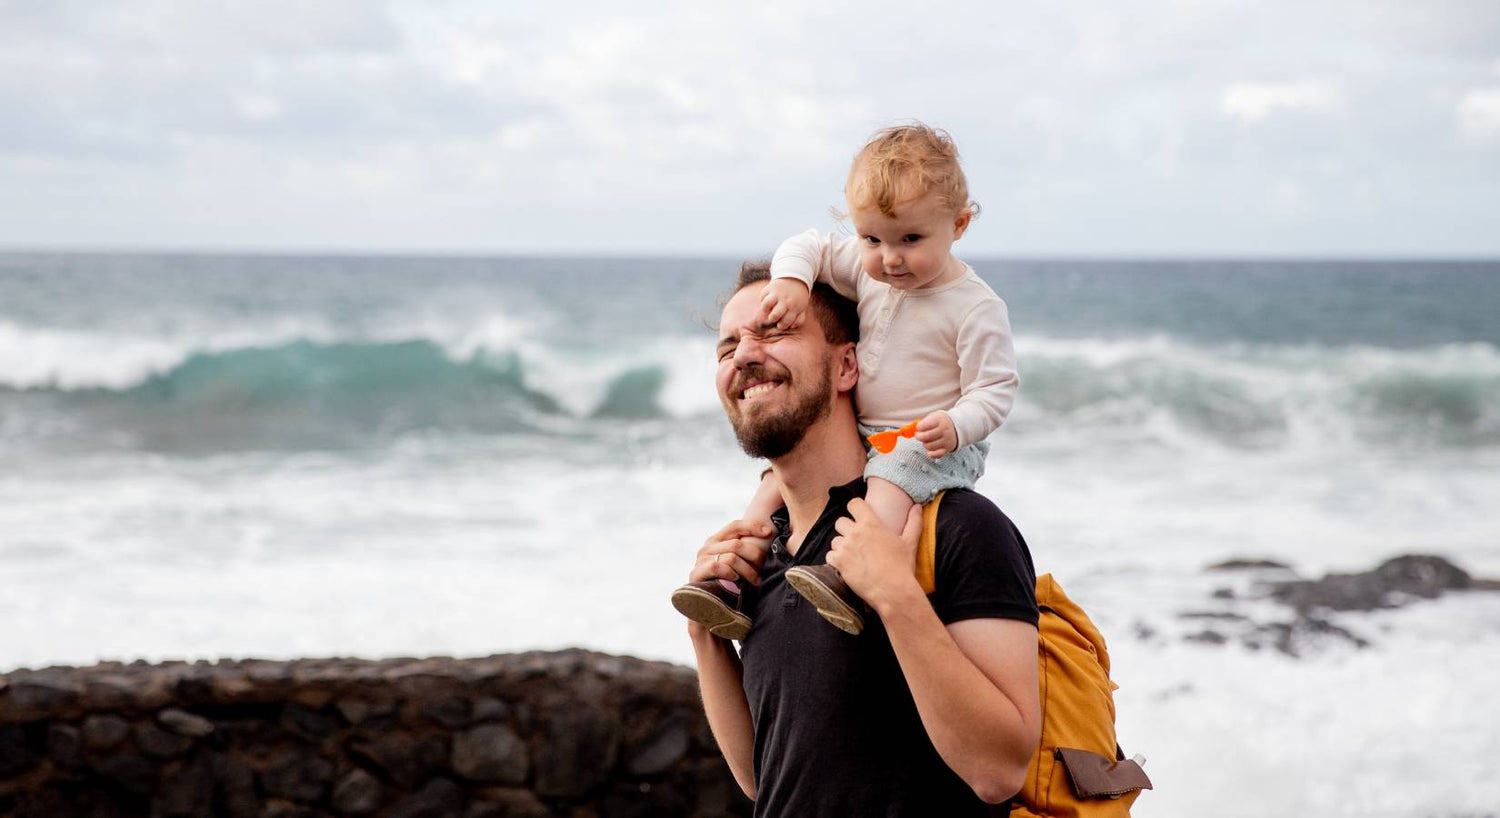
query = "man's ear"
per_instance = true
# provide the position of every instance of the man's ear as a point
(847, 375)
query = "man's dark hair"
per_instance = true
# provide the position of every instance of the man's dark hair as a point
(836, 314)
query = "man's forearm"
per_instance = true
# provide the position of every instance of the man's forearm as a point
(721, 682)
(986, 736)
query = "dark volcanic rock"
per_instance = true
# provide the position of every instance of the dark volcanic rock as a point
(579, 750)
(298, 777)
(451, 713)
(501, 802)
(405, 760)
(184, 723)
(438, 798)
(531, 735)
(491, 752)
(306, 722)
(64, 745)
(16, 756)
(660, 751)
(1249, 565)
(1390, 585)
(102, 732)
(358, 793)
(159, 743)
(186, 791)
(39, 695)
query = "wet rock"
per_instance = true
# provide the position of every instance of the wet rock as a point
(644, 800)
(102, 732)
(185, 791)
(438, 798)
(159, 743)
(39, 696)
(403, 759)
(579, 749)
(237, 787)
(306, 723)
(451, 712)
(660, 751)
(1241, 564)
(1294, 638)
(64, 745)
(16, 756)
(1207, 637)
(1392, 584)
(298, 777)
(493, 753)
(354, 711)
(131, 773)
(358, 793)
(184, 723)
(488, 708)
(507, 803)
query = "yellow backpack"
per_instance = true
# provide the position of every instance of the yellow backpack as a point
(1078, 770)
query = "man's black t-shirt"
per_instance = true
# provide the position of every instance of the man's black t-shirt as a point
(836, 730)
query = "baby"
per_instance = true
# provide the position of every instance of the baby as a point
(934, 346)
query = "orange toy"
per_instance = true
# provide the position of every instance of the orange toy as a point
(885, 442)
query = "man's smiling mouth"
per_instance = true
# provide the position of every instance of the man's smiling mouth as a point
(759, 389)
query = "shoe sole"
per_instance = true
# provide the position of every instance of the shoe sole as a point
(829, 604)
(711, 612)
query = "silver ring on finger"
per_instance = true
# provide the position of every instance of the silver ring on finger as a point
(716, 558)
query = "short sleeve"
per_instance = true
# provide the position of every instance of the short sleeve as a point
(983, 567)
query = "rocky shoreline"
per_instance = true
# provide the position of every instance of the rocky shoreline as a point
(1264, 604)
(569, 733)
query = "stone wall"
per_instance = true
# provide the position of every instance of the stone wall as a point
(570, 733)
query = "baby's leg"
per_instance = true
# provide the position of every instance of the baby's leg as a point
(766, 500)
(890, 501)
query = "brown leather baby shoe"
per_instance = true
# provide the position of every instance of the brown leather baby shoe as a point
(713, 606)
(826, 590)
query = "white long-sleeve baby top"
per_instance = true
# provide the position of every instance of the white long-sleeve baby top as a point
(946, 347)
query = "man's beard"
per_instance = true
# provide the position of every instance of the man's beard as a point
(771, 435)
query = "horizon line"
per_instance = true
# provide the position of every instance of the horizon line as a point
(532, 253)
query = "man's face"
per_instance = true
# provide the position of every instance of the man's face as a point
(773, 383)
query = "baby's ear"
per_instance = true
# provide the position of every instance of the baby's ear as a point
(961, 223)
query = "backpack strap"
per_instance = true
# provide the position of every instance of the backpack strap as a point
(926, 567)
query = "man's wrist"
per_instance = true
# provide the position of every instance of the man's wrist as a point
(902, 594)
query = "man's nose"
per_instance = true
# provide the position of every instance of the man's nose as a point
(749, 351)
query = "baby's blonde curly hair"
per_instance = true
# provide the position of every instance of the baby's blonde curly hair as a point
(903, 163)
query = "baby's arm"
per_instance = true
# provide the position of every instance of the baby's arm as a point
(987, 373)
(811, 257)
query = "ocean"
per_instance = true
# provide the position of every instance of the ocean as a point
(259, 456)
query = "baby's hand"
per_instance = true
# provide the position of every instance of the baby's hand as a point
(784, 303)
(937, 434)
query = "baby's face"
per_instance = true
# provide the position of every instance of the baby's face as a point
(913, 249)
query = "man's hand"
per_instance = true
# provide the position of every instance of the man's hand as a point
(878, 564)
(735, 552)
(937, 434)
(784, 303)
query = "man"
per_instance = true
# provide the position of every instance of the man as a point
(932, 710)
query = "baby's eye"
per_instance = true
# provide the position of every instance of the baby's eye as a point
(871, 240)
(911, 238)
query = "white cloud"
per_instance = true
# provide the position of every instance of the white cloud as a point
(1479, 117)
(257, 107)
(687, 126)
(1251, 102)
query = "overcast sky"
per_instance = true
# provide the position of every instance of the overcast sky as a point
(1211, 127)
